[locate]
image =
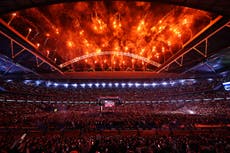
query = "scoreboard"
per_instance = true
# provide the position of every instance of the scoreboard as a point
(109, 101)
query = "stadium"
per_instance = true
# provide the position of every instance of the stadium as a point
(103, 76)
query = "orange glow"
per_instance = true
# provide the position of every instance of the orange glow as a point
(57, 31)
(84, 28)
(116, 25)
(153, 28)
(149, 57)
(98, 25)
(163, 49)
(185, 21)
(14, 14)
(157, 55)
(154, 49)
(117, 48)
(169, 43)
(47, 35)
(81, 32)
(141, 26)
(70, 44)
(98, 50)
(48, 52)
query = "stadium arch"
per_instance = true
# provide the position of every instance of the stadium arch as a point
(120, 53)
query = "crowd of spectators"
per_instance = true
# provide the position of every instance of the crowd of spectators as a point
(40, 108)
(158, 92)
(212, 143)
(146, 108)
(90, 117)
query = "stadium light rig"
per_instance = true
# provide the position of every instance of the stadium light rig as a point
(130, 84)
(48, 84)
(154, 84)
(226, 86)
(83, 85)
(110, 84)
(90, 85)
(116, 84)
(103, 84)
(66, 85)
(97, 85)
(172, 83)
(38, 82)
(27, 81)
(122, 84)
(164, 83)
(74, 85)
(56, 84)
(137, 84)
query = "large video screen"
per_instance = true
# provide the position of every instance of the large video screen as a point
(109, 102)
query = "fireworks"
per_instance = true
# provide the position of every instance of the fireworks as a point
(82, 28)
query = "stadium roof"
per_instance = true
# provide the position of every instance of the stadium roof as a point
(106, 38)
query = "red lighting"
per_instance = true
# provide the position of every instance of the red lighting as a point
(134, 29)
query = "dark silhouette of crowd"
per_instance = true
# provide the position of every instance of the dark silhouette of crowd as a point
(212, 143)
